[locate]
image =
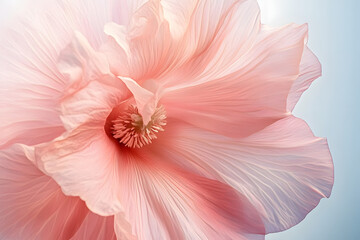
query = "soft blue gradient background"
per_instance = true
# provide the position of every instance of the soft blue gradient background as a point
(330, 106)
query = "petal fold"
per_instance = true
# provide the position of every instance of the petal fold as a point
(310, 69)
(162, 202)
(284, 167)
(32, 205)
(247, 95)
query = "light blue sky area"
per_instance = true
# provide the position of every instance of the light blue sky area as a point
(331, 108)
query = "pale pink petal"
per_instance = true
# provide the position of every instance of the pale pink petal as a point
(85, 163)
(310, 69)
(284, 167)
(31, 84)
(80, 63)
(92, 103)
(162, 202)
(32, 205)
(145, 45)
(146, 101)
(247, 96)
(218, 33)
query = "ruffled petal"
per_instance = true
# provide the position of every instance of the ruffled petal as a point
(146, 101)
(32, 205)
(93, 103)
(310, 69)
(217, 34)
(82, 64)
(284, 167)
(31, 84)
(146, 43)
(163, 202)
(248, 95)
(85, 163)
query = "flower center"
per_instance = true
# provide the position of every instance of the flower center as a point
(130, 130)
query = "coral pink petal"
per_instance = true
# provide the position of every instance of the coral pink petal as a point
(31, 84)
(95, 227)
(32, 205)
(310, 69)
(248, 95)
(284, 167)
(162, 202)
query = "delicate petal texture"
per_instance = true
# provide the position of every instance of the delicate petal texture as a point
(310, 69)
(220, 33)
(31, 84)
(146, 101)
(242, 99)
(146, 43)
(85, 163)
(95, 227)
(94, 102)
(162, 202)
(81, 63)
(32, 205)
(284, 166)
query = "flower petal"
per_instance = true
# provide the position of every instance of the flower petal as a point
(283, 166)
(96, 227)
(81, 63)
(217, 34)
(32, 205)
(146, 42)
(30, 83)
(85, 163)
(92, 103)
(162, 202)
(247, 96)
(310, 69)
(146, 101)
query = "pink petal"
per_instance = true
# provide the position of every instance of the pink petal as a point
(96, 227)
(146, 101)
(310, 69)
(32, 205)
(162, 202)
(31, 84)
(146, 41)
(85, 163)
(284, 167)
(93, 103)
(217, 35)
(81, 63)
(248, 95)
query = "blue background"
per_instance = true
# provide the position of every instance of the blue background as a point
(330, 106)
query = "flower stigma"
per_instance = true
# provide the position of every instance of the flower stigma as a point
(129, 128)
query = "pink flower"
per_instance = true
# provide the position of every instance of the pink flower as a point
(168, 119)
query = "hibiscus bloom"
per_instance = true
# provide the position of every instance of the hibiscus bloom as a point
(155, 120)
